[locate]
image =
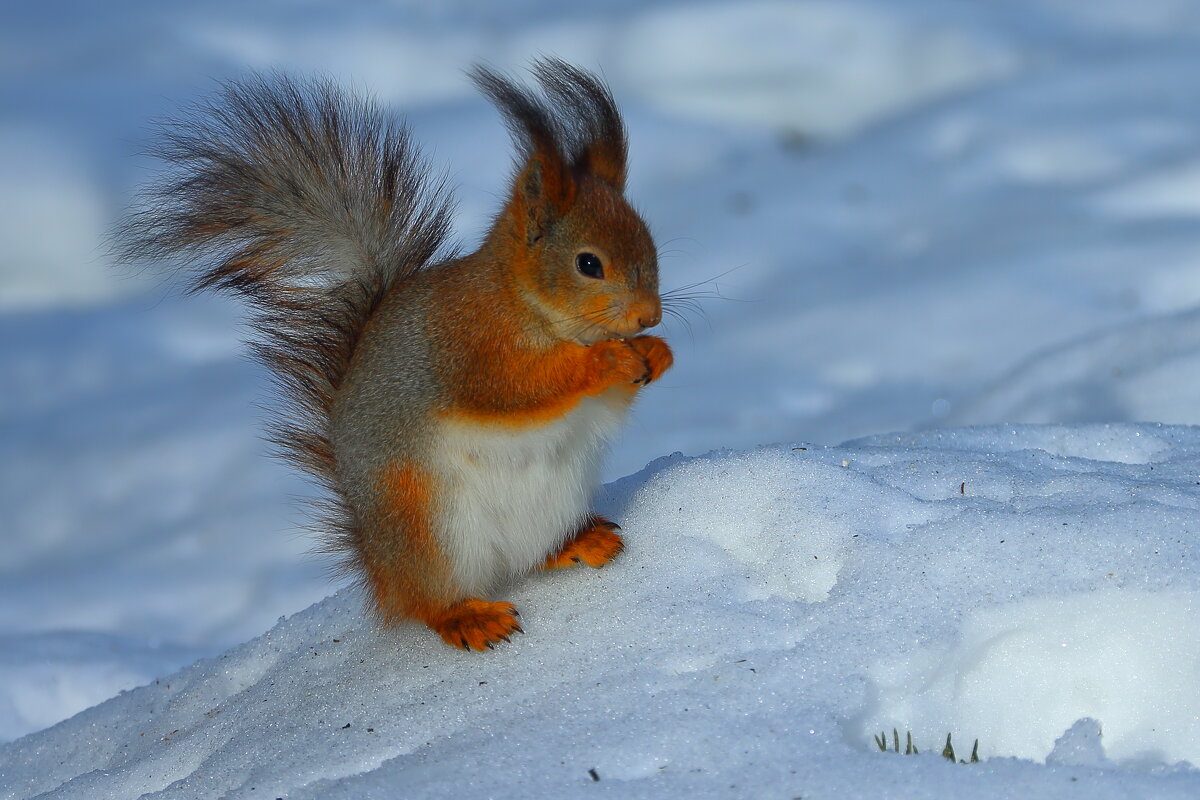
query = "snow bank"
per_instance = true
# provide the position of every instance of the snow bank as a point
(49, 676)
(814, 68)
(131, 478)
(1138, 371)
(1019, 673)
(775, 608)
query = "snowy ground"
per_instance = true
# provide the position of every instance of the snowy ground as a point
(937, 214)
(776, 608)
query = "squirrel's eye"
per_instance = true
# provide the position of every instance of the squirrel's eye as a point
(589, 264)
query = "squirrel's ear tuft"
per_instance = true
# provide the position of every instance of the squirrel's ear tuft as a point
(598, 142)
(572, 129)
(544, 186)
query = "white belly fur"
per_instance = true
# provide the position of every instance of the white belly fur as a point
(514, 495)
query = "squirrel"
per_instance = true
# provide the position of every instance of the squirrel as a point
(454, 407)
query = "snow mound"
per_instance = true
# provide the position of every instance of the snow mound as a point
(1021, 673)
(1132, 373)
(1080, 746)
(827, 68)
(773, 610)
(1170, 192)
(49, 676)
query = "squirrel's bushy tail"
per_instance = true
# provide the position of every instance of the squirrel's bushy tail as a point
(311, 204)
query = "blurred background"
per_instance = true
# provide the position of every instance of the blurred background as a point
(900, 214)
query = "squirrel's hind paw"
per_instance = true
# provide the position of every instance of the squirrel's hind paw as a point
(475, 624)
(596, 544)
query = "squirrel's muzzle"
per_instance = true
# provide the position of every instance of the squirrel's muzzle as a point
(647, 313)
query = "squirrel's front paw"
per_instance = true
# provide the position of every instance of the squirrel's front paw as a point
(656, 354)
(619, 362)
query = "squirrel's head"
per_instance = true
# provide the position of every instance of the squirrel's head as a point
(580, 254)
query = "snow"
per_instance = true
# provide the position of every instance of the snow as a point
(934, 223)
(1124, 656)
(40, 193)
(1079, 746)
(1129, 372)
(820, 67)
(722, 650)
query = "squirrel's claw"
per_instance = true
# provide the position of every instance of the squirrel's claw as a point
(596, 544)
(475, 624)
(656, 354)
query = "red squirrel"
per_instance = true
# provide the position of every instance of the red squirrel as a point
(455, 407)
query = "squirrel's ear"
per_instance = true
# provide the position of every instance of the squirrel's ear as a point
(544, 187)
(544, 191)
(598, 142)
(605, 159)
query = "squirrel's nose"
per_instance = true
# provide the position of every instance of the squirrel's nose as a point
(647, 311)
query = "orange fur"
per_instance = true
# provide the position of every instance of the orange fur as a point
(412, 580)
(656, 353)
(308, 202)
(406, 570)
(523, 338)
(595, 544)
(504, 380)
(474, 624)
